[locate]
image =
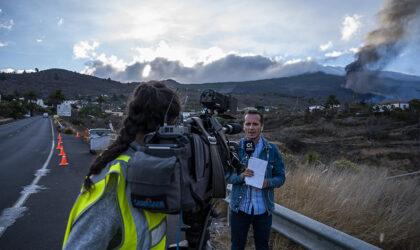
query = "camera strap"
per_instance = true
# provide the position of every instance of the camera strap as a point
(218, 178)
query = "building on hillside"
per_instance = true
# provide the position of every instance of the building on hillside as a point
(116, 113)
(389, 105)
(316, 108)
(40, 102)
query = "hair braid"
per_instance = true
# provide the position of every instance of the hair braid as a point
(145, 112)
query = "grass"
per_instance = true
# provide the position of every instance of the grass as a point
(361, 203)
(358, 201)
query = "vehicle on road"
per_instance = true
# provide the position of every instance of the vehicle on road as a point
(45, 115)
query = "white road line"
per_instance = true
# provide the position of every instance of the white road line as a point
(9, 215)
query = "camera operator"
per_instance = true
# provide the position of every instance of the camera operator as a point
(250, 205)
(103, 216)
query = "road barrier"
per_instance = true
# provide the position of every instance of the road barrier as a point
(310, 233)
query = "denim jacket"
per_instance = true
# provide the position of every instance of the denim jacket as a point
(274, 174)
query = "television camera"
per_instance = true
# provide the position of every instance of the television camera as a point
(222, 160)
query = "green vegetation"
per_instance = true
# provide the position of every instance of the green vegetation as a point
(312, 158)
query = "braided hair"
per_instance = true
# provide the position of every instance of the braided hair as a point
(145, 112)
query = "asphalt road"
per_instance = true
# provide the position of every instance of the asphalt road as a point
(36, 194)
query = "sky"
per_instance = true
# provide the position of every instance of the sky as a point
(192, 41)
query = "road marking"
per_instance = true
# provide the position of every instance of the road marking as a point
(10, 215)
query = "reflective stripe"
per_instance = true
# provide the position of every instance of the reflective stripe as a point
(157, 229)
(158, 233)
(123, 158)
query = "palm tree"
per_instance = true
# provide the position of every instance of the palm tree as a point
(332, 101)
(56, 98)
(100, 101)
(30, 99)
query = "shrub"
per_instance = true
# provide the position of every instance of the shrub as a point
(312, 157)
(68, 130)
(345, 164)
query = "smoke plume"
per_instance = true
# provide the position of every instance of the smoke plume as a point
(382, 44)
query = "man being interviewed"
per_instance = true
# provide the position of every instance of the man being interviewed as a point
(251, 205)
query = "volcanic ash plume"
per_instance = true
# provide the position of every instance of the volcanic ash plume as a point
(382, 44)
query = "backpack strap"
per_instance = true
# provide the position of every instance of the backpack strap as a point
(218, 174)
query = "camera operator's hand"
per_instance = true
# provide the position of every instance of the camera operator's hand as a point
(247, 173)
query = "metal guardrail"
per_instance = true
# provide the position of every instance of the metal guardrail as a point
(311, 233)
(403, 175)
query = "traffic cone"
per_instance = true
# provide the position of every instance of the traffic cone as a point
(62, 152)
(59, 135)
(59, 140)
(58, 145)
(77, 135)
(63, 161)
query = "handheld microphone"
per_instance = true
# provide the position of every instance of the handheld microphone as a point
(249, 147)
(232, 128)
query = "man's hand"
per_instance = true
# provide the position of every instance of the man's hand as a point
(247, 173)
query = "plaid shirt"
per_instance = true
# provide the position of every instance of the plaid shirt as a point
(253, 202)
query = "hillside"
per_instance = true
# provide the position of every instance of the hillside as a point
(73, 84)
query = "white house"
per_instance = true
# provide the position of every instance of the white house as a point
(316, 107)
(40, 102)
(380, 107)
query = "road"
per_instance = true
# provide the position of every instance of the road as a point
(36, 194)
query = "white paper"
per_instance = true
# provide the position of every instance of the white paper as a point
(258, 166)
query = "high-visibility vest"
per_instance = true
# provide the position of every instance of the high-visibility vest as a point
(156, 221)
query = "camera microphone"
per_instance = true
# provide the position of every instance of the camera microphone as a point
(249, 147)
(232, 128)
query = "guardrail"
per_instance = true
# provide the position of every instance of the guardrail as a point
(311, 233)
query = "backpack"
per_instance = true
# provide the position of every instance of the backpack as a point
(176, 174)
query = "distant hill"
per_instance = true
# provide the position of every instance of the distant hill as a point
(71, 83)
(316, 86)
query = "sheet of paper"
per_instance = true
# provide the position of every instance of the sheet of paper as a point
(258, 166)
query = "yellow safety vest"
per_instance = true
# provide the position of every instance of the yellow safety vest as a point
(156, 221)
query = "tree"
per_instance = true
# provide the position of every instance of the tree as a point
(56, 98)
(3, 76)
(415, 104)
(332, 101)
(36, 70)
(100, 101)
(30, 98)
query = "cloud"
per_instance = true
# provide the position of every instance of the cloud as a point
(7, 25)
(3, 44)
(85, 49)
(187, 56)
(354, 50)
(334, 54)
(326, 46)
(60, 21)
(17, 71)
(0, 10)
(8, 70)
(351, 25)
(229, 68)
(39, 40)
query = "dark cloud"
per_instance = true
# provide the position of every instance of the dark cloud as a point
(229, 68)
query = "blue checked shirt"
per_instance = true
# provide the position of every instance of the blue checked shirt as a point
(254, 196)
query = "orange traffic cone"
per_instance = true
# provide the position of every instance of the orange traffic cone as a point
(77, 135)
(59, 140)
(58, 145)
(63, 161)
(59, 135)
(62, 152)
